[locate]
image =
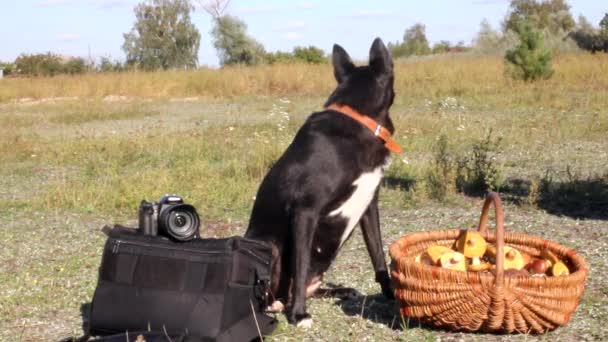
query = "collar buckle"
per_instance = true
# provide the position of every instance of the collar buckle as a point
(377, 131)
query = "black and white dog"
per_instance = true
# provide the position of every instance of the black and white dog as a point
(327, 181)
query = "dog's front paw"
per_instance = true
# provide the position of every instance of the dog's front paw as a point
(387, 291)
(384, 280)
(299, 320)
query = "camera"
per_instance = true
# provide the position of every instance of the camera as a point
(170, 217)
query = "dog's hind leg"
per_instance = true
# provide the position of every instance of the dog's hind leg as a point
(276, 305)
(304, 224)
(313, 285)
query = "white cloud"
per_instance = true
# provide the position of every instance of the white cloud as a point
(292, 36)
(67, 37)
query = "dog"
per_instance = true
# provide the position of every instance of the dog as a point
(327, 181)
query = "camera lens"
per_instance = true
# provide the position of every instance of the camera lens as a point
(180, 222)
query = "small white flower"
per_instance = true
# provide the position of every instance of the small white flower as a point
(405, 161)
(231, 128)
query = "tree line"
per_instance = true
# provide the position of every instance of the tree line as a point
(164, 37)
(551, 19)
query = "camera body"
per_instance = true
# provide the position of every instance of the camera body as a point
(170, 217)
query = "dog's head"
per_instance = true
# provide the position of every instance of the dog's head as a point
(368, 89)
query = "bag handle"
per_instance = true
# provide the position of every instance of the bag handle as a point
(493, 198)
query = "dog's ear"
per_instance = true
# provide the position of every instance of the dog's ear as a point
(380, 58)
(342, 63)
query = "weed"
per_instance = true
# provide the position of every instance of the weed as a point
(478, 171)
(440, 180)
(533, 193)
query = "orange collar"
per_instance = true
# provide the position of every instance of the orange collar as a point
(368, 122)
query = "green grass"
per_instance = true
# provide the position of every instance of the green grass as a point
(67, 167)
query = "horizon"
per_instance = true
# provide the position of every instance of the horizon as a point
(79, 28)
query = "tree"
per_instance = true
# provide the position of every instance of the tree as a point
(591, 39)
(583, 25)
(215, 8)
(529, 60)
(551, 15)
(488, 40)
(604, 24)
(415, 40)
(443, 46)
(233, 44)
(106, 65)
(163, 36)
(230, 38)
(414, 43)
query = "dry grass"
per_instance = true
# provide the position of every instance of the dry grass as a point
(474, 77)
(68, 166)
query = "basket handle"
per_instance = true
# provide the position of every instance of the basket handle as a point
(493, 198)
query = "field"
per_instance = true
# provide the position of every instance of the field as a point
(79, 152)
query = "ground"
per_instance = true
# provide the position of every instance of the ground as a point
(69, 167)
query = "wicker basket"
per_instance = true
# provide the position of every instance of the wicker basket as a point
(484, 301)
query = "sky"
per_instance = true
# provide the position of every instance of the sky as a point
(95, 27)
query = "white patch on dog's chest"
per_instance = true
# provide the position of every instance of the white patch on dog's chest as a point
(354, 207)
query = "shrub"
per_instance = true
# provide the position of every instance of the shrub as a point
(106, 65)
(478, 171)
(311, 54)
(440, 180)
(529, 60)
(39, 64)
(75, 66)
(49, 64)
(7, 68)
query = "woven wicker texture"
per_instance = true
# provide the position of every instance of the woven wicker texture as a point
(472, 301)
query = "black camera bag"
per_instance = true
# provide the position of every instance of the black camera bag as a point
(211, 289)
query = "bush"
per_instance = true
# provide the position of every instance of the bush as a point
(39, 64)
(49, 64)
(75, 66)
(440, 180)
(310, 55)
(478, 172)
(106, 65)
(7, 68)
(529, 60)
(443, 46)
